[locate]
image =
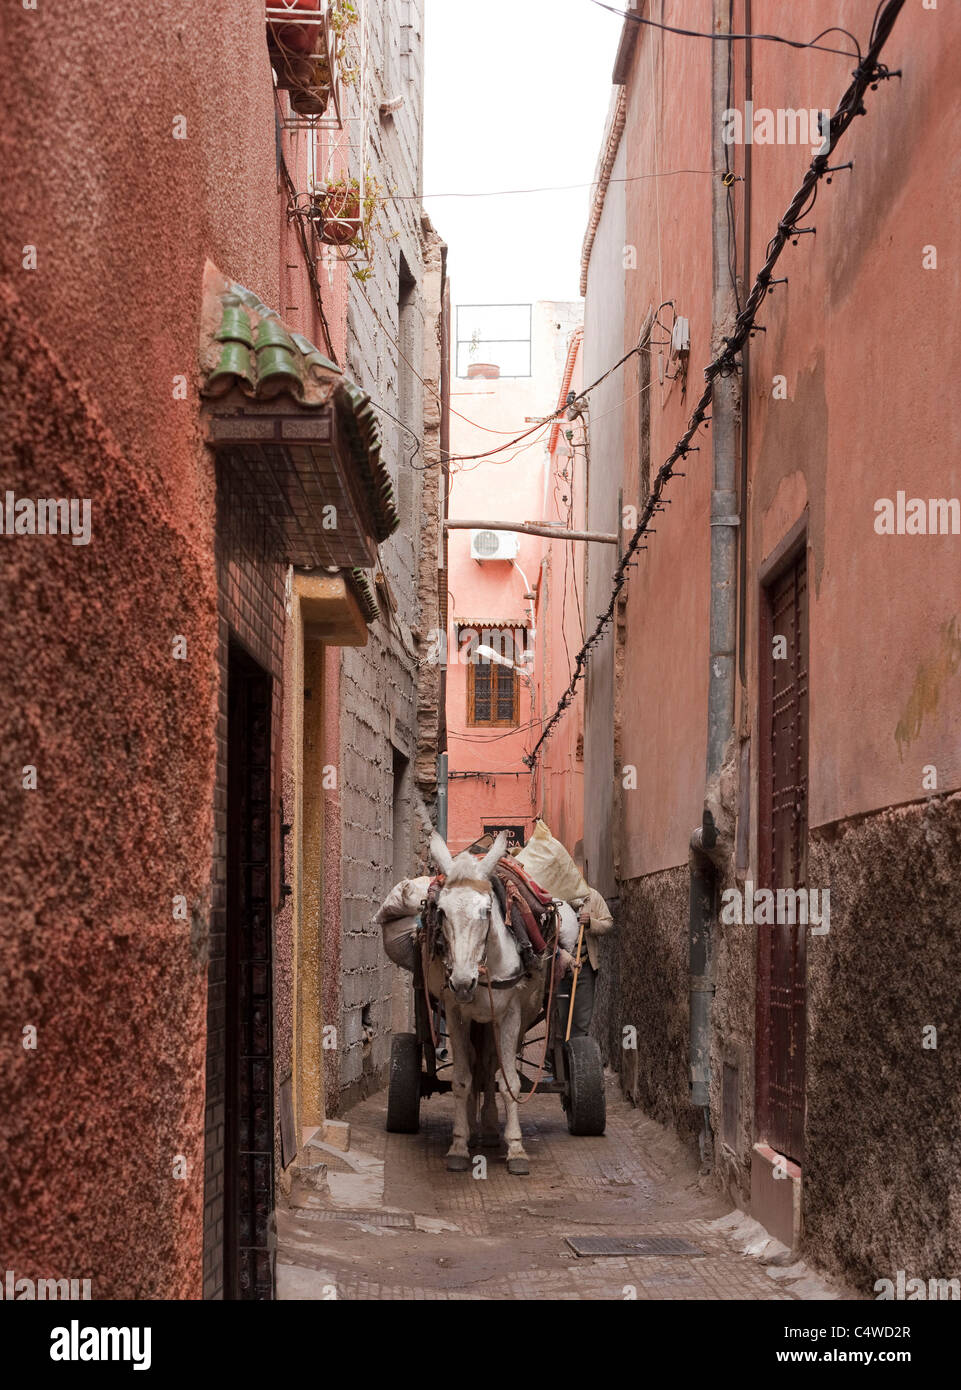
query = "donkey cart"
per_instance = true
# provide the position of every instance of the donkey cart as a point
(572, 1068)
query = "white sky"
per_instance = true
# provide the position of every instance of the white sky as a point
(516, 96)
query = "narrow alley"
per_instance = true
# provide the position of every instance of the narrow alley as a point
(480, 560)
(394, 1224)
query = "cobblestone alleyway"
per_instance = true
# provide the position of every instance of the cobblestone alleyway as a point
(396, 1225)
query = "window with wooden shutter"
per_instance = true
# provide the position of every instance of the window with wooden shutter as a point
(493, 693)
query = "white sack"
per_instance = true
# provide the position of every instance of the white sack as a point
(400, 941)
(567, 927)
(403, 900)
(397, 919)
(550, 866)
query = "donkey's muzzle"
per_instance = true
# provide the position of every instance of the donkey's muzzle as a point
(464, 987)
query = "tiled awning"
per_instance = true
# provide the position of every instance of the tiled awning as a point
(524, 622)
(302, 442)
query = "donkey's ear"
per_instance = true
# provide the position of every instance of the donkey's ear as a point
(494, 855)
(440, 854)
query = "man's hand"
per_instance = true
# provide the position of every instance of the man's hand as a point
(566, 959)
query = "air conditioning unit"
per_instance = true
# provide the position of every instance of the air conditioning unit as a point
(493, 545)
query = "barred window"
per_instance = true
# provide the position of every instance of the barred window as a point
(493, 690)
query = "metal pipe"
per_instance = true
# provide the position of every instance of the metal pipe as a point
(724, 518)
(723, 602)
(745, 364)
(442, 782)
(531, 528)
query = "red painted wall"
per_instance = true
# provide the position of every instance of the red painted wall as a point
(123, 217)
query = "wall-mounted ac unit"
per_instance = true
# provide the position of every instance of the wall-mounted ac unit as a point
(493, 545)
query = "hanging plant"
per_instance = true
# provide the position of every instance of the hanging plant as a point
(343, 18)
(340, 219)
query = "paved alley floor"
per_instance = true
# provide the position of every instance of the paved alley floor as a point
(396, 1225)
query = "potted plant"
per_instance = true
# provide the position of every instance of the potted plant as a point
(305, 57)
(338, 205)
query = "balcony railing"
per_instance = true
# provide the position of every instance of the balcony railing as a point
(304, 54)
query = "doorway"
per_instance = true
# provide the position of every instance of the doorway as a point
(782, 852)
(248, 1118)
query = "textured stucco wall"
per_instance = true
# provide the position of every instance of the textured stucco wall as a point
(121, 737)
(652, 996)
(123, 216)
(883, 1173)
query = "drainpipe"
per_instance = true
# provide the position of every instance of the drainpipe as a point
(443, 779)
(723, 606)
(745, 358)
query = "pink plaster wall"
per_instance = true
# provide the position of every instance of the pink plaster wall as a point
(509, 489)
(862, 336)
(511, 486)
(867, 338)
(563, 628)
(663, 686)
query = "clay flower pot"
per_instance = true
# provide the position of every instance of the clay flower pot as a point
(340, 219)
(294, 38)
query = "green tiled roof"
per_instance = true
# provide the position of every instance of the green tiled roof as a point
(364, 593)
(265, 360)
(359, 418)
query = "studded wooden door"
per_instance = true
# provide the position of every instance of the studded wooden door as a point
(781, 946)
(248, 1143)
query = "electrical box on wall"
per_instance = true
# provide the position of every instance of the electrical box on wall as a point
(681, 337)
(493, 545)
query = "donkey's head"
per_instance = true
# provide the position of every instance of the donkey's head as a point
(465, 906)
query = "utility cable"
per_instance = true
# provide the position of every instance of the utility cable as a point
(726, 38)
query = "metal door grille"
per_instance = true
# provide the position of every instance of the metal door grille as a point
(782, 962)
(249, 1112)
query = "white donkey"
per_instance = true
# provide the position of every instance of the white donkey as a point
(482, 966)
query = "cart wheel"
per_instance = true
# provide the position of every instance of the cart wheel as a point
(586, 1102)
(403, 1085)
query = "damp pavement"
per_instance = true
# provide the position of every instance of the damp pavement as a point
(393, 1224)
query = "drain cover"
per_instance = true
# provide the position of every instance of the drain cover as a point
(402, 1220)
(643, 1245)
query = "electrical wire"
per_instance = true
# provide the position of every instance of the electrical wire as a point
(728, 180)
(556, 414)
(869, 72)
(544, 188)
(726, 38)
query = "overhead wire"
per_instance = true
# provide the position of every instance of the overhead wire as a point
(726, 38)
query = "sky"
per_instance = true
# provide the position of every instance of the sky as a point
(517, 93)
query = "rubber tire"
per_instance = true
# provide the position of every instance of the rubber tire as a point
(403, 1085)
(586, 1102)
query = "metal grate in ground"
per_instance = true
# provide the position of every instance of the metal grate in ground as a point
(643, 1245)
(402, 1220)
